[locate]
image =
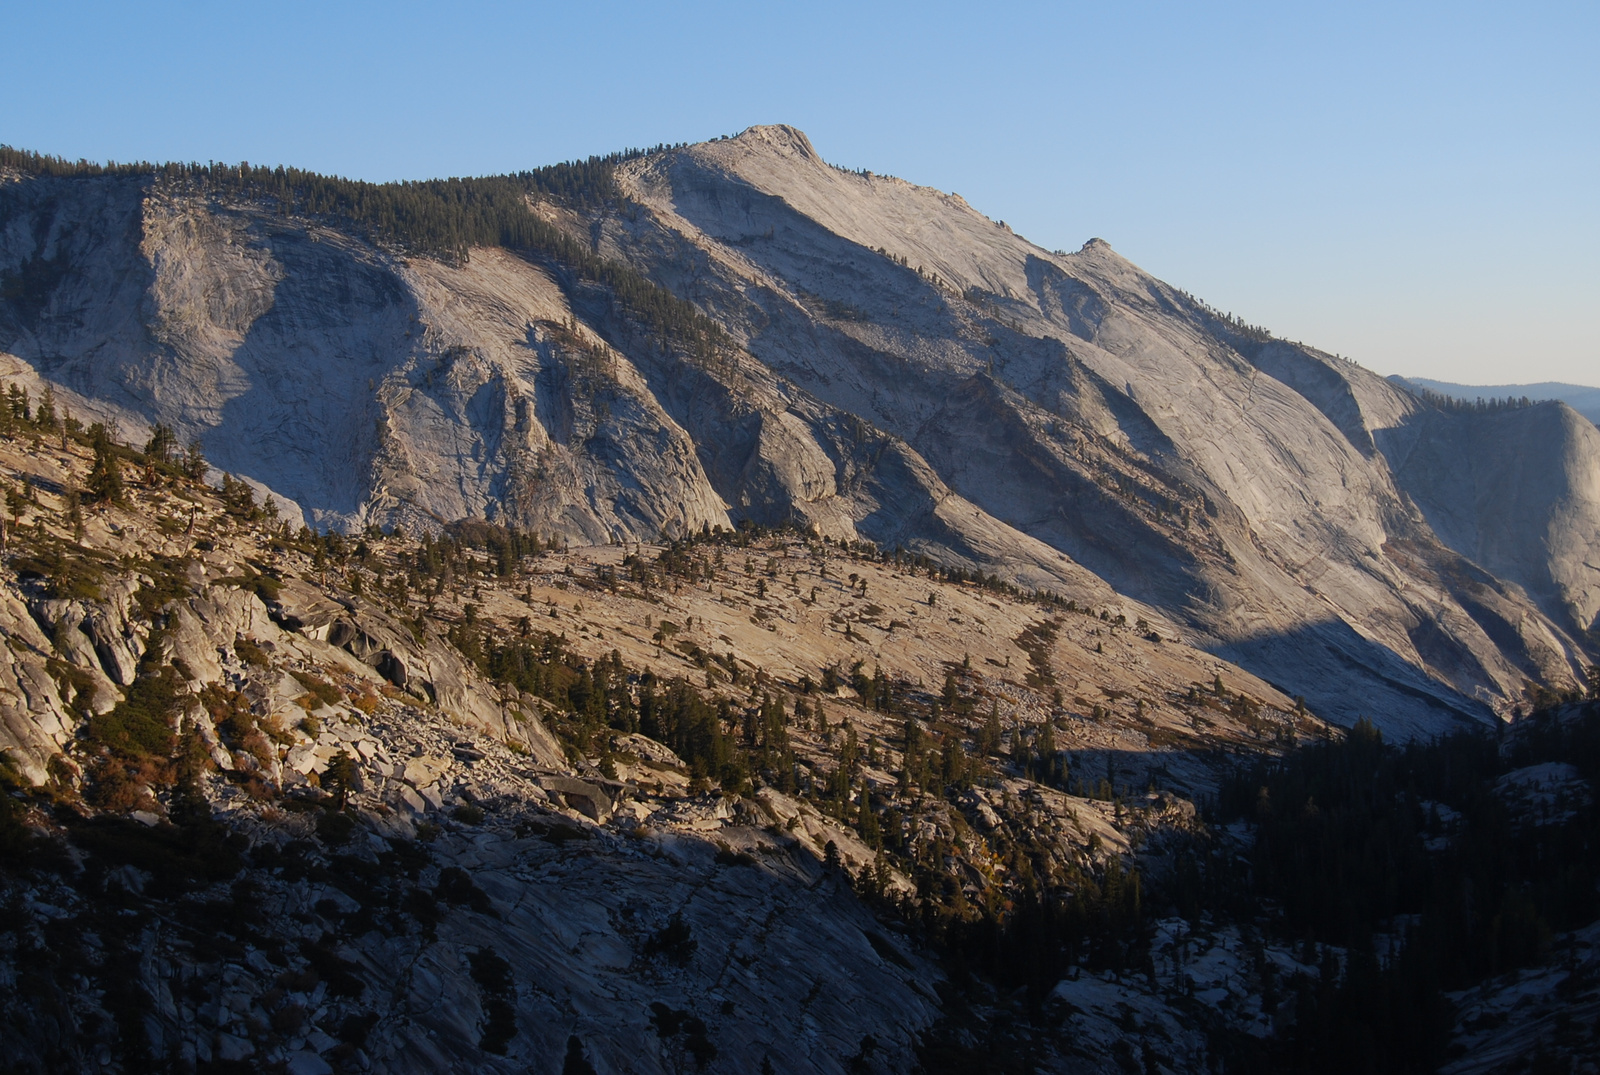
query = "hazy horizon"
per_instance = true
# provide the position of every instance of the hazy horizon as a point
(1542, 386)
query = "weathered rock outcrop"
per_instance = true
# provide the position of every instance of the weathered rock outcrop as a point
(307, 834)
(1242, 483)
(910, 372)
(1517, 492)
(71, 658)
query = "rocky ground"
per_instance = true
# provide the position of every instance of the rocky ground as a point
(738, 331)
(274, 808)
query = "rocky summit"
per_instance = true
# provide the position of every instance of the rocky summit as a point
(707, 610)
(737, 330)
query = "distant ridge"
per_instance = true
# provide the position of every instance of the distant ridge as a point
(1581, 398)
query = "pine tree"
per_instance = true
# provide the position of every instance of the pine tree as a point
(75, 512)
(912, 736)
(340, 778)
(989, 737)
(576, 1063)
(194, 462)
(161, 444)
(1047, 753)
(105, 476)
(45, 418)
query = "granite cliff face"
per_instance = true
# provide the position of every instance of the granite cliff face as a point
(640, 923)
(1268, 495)
(906, 371)
(1517, 491)
(497, 886)
(410, 803)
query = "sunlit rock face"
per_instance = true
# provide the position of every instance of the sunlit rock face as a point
(908, 371)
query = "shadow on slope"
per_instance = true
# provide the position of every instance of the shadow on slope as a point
(1344, 677)
(305, 422)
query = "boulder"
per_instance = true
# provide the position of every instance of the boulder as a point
(306, 1062)
(587, 797)
(423, 770)
(304, 609)
(408, 799)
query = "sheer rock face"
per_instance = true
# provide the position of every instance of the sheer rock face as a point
(1272, 496)
(1516, 491)
(913, 373)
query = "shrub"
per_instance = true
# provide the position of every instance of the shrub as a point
(338, 972)
(497, 989)
(141, 724)
(67, 572)
(116, 787)
(320, 688)
(334, 827)
(456, 886)
(251, 654)
(673, 940)
(180, 857)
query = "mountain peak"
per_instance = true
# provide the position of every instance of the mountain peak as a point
(781, 137)
(865, 306)
(1107, 262)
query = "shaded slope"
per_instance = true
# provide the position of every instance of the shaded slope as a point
(898, 368)
(1127, 425)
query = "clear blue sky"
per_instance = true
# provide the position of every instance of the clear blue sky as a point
(1412, 185)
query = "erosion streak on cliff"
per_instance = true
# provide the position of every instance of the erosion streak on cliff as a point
(906, 371)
